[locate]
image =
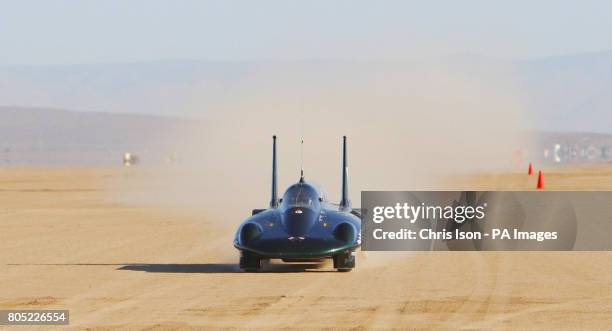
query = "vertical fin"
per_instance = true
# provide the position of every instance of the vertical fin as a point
(345, 203)
(274, 199)
(302, 161)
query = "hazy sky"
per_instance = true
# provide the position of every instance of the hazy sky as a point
(68, 32)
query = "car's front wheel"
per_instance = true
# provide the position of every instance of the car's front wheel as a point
(345, 261)
(250, 261)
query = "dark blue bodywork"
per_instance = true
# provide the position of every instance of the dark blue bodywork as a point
(303, 226)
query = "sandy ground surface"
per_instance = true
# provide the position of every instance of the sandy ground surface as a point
(65, 245)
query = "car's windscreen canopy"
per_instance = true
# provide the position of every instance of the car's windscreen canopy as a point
(301, 195)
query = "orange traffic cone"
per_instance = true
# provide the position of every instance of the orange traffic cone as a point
(530, 170)
(540, 181)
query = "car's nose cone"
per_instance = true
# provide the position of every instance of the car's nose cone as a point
(298, 221)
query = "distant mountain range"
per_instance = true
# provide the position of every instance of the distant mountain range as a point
(54, 136)
(569, 93)
(125, 106)
(566, 93)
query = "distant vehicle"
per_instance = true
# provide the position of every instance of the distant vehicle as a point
(302, 226)
(130, 159)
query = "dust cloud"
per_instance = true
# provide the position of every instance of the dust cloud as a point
(408, 125)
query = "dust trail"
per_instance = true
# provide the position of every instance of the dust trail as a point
(408, 125)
